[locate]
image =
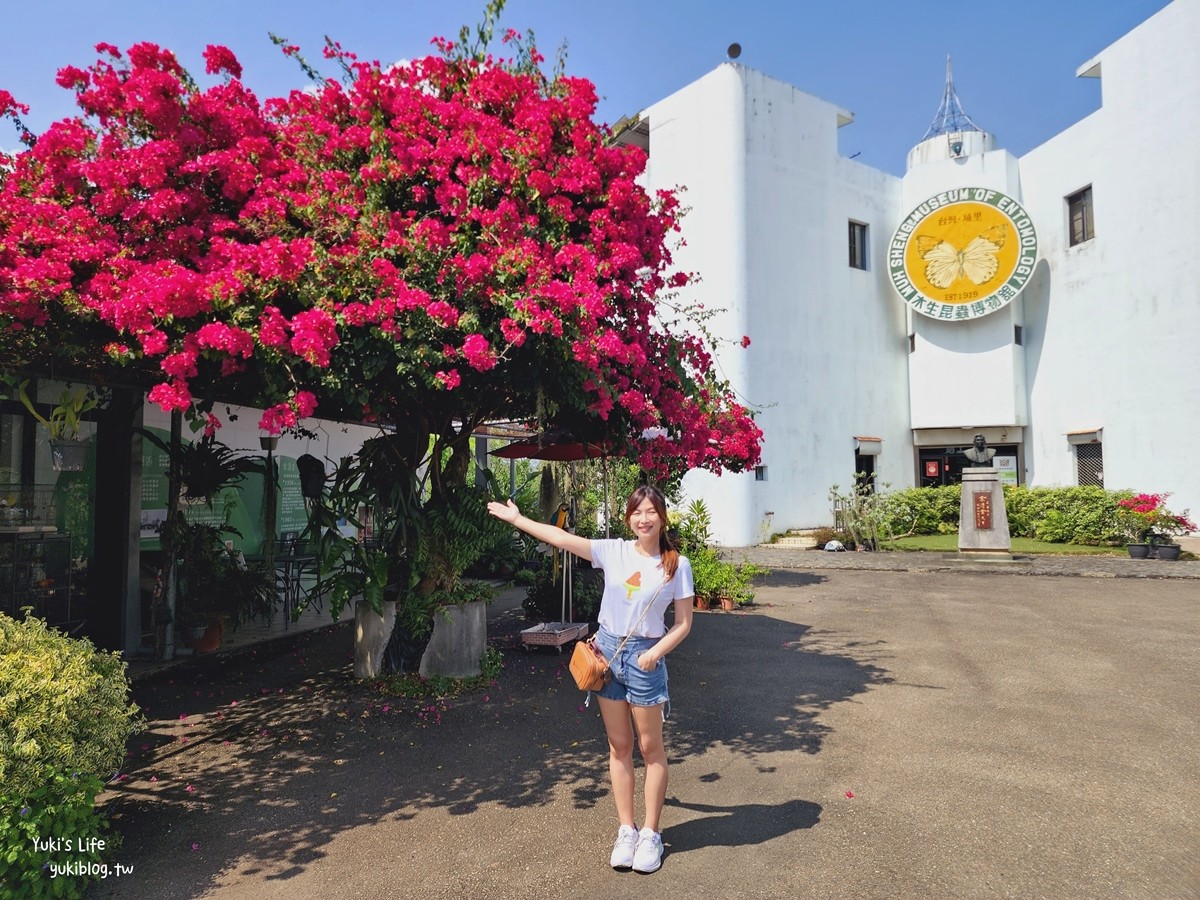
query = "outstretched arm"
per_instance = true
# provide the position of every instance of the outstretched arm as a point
(550, 534)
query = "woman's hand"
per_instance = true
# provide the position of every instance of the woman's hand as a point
(505, 512)
(647, 661)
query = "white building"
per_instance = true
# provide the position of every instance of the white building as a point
(1050, 302)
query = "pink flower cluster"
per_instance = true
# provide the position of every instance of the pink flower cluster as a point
(446, 225)
(1145, 514)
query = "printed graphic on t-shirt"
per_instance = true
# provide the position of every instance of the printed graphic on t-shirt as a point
(632, 583)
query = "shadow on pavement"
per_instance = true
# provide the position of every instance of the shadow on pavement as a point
(254, 765)
(746, 824)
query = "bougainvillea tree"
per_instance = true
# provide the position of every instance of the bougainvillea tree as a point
(429, 246)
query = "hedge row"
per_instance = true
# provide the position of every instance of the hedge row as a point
(1060, 515)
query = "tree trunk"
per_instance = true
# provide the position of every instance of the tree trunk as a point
(372, 632)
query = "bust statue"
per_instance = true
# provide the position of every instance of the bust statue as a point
(980, 454)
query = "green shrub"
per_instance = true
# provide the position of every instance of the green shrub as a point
(49, 836)
(1064, 515)
(544, 598)
(65, 717)
(822, 536)
(1070, 515)
(931, 510)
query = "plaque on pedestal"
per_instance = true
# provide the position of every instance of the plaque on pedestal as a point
(982, 521)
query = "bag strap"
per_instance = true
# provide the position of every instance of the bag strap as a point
(621, 645)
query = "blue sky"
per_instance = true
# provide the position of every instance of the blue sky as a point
(1014, 62)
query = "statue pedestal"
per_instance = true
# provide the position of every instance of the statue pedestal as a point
(982, 520)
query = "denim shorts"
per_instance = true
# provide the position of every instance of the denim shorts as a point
(628, 682)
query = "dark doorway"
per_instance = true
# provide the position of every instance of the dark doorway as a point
(943, 465)
(864, 473)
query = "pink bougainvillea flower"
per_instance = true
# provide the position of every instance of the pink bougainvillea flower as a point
(331, 244)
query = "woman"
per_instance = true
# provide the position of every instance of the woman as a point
(642, 578)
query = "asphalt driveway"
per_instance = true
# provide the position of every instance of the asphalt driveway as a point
(857, 734)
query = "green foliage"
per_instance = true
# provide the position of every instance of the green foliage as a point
(693, 531)
(65, 717)
(948, 543)
(1064, 515)
(374, 487)
(868, 515)
(65, 418)
(62, 808)
(64, 706)
(712, 576)
(491, 664)
(412, 686)
(456, 531)
(932, 510)
(206, 466)
(213, 580)
(1068, 515)
(544, 600)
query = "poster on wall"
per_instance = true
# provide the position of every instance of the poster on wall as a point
(239, 507)
(1006, 469)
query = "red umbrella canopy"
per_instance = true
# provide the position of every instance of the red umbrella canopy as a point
(553, 447)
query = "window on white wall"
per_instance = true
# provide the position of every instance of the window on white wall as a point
(858, 245)
(1079, 216)
(1089, 464)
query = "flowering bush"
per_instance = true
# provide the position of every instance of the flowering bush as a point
(429, 245)
(1144, 516)
(443, 241)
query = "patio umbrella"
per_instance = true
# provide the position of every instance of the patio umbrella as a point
(552, 447)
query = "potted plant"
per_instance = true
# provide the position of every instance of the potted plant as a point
(67, 451)
(707, 574)
(218, 590)
(1149, 526)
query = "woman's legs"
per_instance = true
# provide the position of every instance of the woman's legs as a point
(649, 722)
(619, 728)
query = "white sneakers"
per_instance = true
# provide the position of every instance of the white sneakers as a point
(648, 855)
(637, 850)
(623, 849)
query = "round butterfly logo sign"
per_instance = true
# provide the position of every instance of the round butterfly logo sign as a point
(963, 254)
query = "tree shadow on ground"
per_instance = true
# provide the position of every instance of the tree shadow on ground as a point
(257, 764)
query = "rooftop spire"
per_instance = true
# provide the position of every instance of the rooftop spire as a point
(950, 116)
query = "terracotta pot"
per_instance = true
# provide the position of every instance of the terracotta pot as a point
(727, 603)
(701, 602)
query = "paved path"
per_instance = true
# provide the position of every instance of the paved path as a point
(859, 733)
(775, 557)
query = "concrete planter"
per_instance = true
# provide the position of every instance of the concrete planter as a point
(459, 639)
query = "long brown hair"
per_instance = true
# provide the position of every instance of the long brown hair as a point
(670, 556)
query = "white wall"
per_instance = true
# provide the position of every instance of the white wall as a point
(965, 374)
(1115, 329)
(770, 202)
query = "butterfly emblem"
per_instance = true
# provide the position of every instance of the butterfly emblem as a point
(945, 264)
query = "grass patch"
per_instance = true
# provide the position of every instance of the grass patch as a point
(948, 543)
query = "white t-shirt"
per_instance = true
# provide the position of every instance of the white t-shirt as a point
(630, 580)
